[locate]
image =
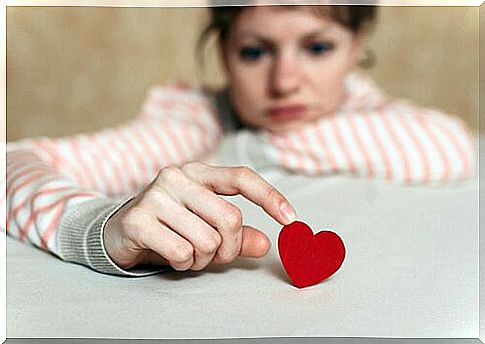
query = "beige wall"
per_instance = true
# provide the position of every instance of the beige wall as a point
(82, 69)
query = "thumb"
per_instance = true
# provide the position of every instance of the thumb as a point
(255, 244)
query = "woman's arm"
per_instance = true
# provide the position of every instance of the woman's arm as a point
(60, 192)
(399, 142)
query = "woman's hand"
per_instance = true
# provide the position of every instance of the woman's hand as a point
(179, 219)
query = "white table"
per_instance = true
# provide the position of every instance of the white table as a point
(411, 271)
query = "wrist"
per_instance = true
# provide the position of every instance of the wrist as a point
(114, 242)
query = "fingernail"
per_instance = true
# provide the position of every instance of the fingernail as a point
(288, 212)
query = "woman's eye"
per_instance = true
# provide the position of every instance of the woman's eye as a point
(251, 53)
(319, 48)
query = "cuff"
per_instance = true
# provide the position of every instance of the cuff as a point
(81, 238)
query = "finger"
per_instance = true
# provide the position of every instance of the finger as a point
(155, 259)
(255, 244)
(204, 239)
(220, 214)
(150, 234)
(244, 181)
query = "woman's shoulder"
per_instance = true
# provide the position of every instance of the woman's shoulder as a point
(365, 93)
(178, 91)
(185, 93)
(175, 98)
(176, 94)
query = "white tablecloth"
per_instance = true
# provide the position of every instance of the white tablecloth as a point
(411, 271)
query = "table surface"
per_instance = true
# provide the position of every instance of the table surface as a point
(411, 270)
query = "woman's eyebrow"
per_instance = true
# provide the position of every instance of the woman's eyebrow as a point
(252, 35)
(261, 38)
(256, 38)
(316, 33)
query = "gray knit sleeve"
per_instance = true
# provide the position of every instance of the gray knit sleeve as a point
(80, 238)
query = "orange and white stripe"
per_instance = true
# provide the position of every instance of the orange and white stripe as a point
(46, 176)
(371, 136)
(397, 141)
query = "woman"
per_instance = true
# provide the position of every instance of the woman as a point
(291, 87)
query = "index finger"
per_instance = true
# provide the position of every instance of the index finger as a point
(231, 181)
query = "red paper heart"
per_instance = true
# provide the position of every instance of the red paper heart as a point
(309, 259)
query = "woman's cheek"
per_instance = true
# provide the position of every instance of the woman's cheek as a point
(246, 104)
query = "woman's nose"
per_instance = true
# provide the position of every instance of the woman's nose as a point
(285, 78)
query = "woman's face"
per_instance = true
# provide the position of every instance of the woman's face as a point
(287, 66)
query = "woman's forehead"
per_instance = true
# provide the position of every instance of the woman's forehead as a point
(319, 12)
(282, 20)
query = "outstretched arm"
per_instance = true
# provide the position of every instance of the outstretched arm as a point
(399, 142)
(60, 192)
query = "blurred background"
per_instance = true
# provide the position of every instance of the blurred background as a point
(80, 69)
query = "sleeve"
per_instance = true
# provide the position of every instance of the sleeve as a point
(61, 192)
(399, 142)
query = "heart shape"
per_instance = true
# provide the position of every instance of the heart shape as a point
(309, 259)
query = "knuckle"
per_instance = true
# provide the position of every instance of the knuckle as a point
(181, 266)
(181, 253)
(273, 195)
(198, 267)
(154, 195)
(244, 173)
(169, 174)
(231, 218)
(225, 258)
(211, 244)
(191, 166)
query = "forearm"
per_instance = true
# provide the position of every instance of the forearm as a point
(402, 144)
(55, 214)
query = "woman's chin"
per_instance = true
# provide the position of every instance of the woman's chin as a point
(280, 127)
(284, 127)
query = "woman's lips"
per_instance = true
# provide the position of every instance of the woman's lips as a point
(288, 112)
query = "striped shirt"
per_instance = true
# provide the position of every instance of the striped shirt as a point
(60, 192)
